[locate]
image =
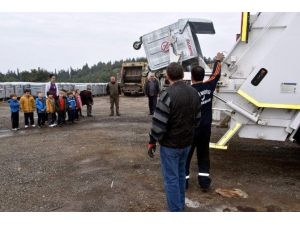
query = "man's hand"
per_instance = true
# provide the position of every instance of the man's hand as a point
(151, 150)
(220, 56)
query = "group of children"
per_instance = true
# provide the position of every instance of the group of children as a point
(46, 107)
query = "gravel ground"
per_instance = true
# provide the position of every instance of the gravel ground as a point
(101, 164)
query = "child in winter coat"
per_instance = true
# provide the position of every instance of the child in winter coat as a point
(40, 103)
(27, 105)
(50, 108)
(71, 102)
(14, 109)
(61, 108)
(78, 105)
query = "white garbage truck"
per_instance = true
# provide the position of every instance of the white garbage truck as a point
(260, 84)
(259, 88)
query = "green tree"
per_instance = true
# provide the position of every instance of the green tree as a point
(99, 72)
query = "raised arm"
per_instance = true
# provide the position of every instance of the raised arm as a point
(216, 73)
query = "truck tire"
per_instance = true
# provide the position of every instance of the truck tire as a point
(137, 45)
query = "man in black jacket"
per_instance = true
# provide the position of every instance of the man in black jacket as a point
(175, 119)
(152, 91)
(87, 99)
(205, 90)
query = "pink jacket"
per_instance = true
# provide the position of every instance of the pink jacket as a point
(78, 102)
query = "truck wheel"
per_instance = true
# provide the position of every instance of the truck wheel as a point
(137, 45)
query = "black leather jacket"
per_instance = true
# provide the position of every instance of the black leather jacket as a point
(176, 116)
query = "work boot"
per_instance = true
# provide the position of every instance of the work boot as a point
(118, 114)
(204, 182)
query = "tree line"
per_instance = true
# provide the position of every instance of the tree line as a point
(97, 73)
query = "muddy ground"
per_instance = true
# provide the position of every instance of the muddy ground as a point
(101, 164)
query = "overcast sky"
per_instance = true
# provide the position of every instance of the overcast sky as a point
(60, 40)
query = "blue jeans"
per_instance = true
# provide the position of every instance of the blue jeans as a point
(173, 162)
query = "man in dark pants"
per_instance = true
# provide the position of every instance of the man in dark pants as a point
(87, 99)
(176, 116)
(152, 91)
(113, 89)
(205, 90)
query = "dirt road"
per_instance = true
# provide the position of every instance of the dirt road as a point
(101, 164)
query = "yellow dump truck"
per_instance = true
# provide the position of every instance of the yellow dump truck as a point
(133, 76)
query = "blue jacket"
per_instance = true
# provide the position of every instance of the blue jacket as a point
(40, 105)
(206, 90)
(71, 103)
(14, 105)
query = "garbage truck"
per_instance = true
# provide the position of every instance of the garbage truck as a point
(259, 88)
(133, 76)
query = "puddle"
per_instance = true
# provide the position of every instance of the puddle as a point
(6, 133)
